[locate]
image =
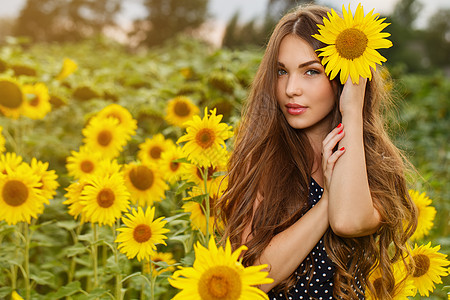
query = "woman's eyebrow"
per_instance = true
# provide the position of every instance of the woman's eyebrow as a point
(305, 64)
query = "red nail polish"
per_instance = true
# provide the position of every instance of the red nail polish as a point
(342, 149)
(340, 124)
(340, 131)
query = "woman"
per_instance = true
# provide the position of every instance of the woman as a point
(316, 189)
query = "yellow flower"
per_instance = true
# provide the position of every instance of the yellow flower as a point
(16, 296)
(12, 98)
(426, 214)
(152, 149)
(82, 163)
(38, 101)
(217, 274)
(172, 171)
(141, 234)
(48, 178)
(124, 117)
(2, 141)
(179, 110)
(76, 206)
(194, 174)
(145, 183)
(105, 136)
(69, 66)
(105, 198)
(162, 257)
(205, 139)
(9, 160)
(20, 195)
(430, 265)
(352, 43)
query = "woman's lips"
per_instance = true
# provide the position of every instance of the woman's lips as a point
(295, 109)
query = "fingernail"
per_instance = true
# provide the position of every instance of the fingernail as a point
(342, 149)
(340, 131)
(340, 124)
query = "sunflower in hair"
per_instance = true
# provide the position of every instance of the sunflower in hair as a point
(426, 214)
(352, 42)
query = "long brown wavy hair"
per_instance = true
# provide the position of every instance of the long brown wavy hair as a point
(274, 159)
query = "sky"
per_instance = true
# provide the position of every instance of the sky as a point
(223, 10)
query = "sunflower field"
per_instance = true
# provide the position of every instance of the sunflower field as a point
(111, 161)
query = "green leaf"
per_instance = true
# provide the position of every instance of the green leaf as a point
(65, 291)
(96, 293)
(68, 225)
(44, 278)
(218, 174)
(199, 198)
(5, 291)
(75, 250)
(184, 187)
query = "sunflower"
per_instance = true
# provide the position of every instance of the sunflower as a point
(205, 139)
(430, 265)
(38, 101)
(194, 174)
(16, 296)
(2, 141)
(425, 216)
(403, 284)
(152, 149)
(105, 198)
(124, 117)
(69, 66)
(12, 98)
(48, 178)
(179, 110)
(9, 161)
(218, 274)
(82, 163)
(162, 257)
(105, 136)
(76, 206)
(20, 195)
(172, 171)
(141, 234)
(352, 43)
(145, 183)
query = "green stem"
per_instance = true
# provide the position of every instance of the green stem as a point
(116, 259)
(152, 282)
(27, 261)
(207, 208)
(94, 249)
(73, 262)
(143, 282)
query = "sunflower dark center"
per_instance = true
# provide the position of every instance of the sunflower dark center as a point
(211, 171)
(104, 138)
(351, 43)
(105, 198)
(141, 177)
(205, 138)
(422, 265)
(34, 101)
(174, 166)
(211, 205)
(220, 282)
(142, 233)
(87, 166)
(15, 193)
(155, 152)
(10, 94)
(182, 109)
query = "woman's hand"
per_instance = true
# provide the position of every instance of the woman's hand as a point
(329, 157)
(352, 97)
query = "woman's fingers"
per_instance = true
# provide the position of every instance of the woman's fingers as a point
(331, 140)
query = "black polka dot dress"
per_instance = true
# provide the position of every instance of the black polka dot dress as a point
(317, 283)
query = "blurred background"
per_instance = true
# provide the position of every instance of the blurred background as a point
(141, 53)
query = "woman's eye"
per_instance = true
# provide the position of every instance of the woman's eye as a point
(312, 72)
(281, 72)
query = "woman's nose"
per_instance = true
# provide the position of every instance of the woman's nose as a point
(293, 86)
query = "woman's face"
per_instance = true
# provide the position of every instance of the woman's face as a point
(304, 93)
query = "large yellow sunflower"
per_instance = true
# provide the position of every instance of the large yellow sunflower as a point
(82, 163)
(38, 101)
(76, 206)
(218, 274)
(105, 136)
(20, 195)
(145, 183)
(172, 171)
(404, 287)
(152, 149)
(213, 177)
(430, 266)
(69, 66)
(179, 110)
(124, 117)
(162, 257)
(141, 234)
(105, 198)
(205, 139)
(426, 214)
(48, 178)
(2, 141)
(12, 97)
(352, 43)
(9, 161)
